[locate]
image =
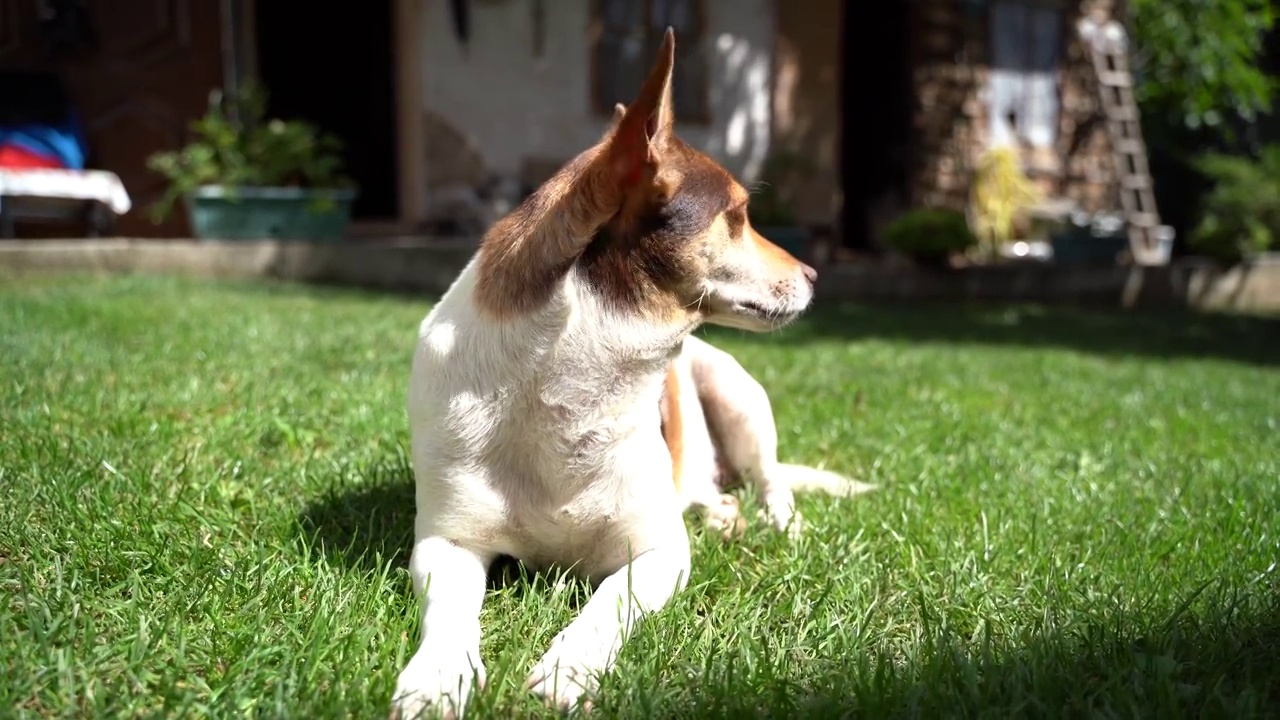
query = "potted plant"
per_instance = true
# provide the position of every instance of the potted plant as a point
(930, 236)
(771, 212)
(1090, 239)
(246, 176)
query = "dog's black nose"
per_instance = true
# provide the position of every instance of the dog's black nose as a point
(809, 273)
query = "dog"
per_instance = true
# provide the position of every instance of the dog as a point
(561, 413)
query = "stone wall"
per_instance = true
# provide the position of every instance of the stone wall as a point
(950, 67)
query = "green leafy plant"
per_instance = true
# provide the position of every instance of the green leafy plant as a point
(1240, 215)
(236, 145)
(930, 235)
(1000, 190)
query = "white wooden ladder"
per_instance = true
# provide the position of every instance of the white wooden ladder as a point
(1149, 241)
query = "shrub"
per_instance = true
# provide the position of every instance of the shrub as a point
(1000, 190)
(930, 234)
(1240, 215)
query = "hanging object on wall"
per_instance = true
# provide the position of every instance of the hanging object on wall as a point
(538, 12)
(66, 26)
(461, 21)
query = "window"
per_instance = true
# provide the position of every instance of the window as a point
(1026, 45)
(626, 35)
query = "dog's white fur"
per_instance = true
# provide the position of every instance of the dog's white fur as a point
(537, 436)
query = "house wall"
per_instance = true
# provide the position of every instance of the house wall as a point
(807, 103)
(510, 107)
(951, 75)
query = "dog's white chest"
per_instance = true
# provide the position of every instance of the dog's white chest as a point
(530, 444)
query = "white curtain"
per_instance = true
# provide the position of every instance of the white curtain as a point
(1025, 39)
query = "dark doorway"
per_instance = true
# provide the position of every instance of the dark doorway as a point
(335, 67)
(876, 105)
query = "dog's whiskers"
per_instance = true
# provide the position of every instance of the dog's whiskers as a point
(698, 302)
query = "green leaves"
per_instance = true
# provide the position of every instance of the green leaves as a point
(1198, 60)
(237, 146)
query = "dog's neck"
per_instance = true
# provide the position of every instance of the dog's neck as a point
(595, 328)
(587, 361)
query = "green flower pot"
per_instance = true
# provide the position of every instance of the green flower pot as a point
(269, 213)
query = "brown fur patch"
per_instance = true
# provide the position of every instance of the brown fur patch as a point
(526, 254)
(646, 260)
(673, 423)
(528, 251)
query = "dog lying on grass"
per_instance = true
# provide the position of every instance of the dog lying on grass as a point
(562, 414)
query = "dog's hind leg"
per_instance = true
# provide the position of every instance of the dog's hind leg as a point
(449, 581)
(693, 454)
(740, 418)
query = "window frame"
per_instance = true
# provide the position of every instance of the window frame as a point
(603, 108)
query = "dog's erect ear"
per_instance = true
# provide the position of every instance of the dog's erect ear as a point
(645, 125)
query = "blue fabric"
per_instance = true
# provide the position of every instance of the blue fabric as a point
(63, 142)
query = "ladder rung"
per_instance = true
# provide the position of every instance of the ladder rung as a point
(1126, 130)
(1122, 113)
(1117, 58)
(1144, 220)
(1115, 79)
(1136, 182)
(1130, 146)
(1133, 165)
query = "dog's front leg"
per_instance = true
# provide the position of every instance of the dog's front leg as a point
(449, 580)
(588, 647)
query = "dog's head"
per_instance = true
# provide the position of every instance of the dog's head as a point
(680, 244)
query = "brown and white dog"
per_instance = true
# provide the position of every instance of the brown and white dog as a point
(562, 414)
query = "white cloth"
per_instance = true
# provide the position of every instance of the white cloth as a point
(1025, 49)
(100, 185)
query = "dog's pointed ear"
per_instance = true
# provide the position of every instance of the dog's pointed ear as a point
(643, 128)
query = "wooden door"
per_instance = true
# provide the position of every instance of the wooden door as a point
(137, 86)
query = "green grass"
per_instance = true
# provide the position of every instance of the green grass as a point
(205, 508)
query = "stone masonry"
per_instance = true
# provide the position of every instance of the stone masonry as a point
(950, 63)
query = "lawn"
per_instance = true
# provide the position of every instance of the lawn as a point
(206, 507)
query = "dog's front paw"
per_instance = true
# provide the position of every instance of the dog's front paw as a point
(565, 679)
(725, 517)
(431, 687)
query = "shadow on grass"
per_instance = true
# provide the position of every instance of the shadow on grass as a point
(365, 519)
(1219, 663)
(1223, 663)
(1246, 339)
(1222, 660)
(365, 523)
